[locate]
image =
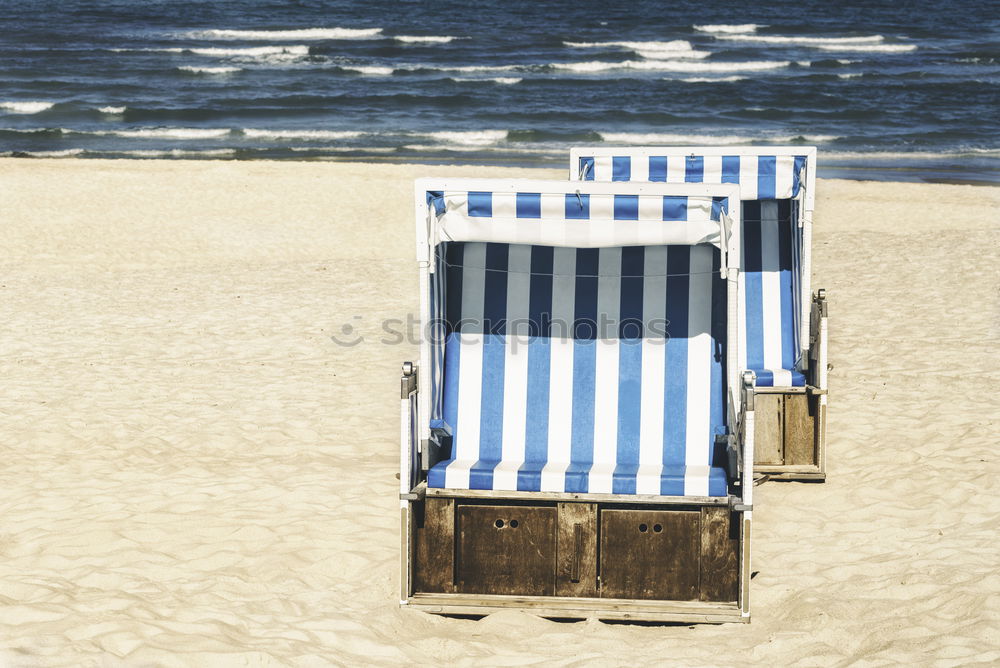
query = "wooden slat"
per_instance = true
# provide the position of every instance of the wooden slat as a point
(720, 562)
(500, 495)
(603, 608)
(768, 429)
(650, 554)
(506, 550)
(434, 568)
(799, 430)
(577, 550)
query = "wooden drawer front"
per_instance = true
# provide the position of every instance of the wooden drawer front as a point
(650, 554)
(768, 445)
(506, 550)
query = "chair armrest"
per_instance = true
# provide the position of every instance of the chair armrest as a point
(818, 341)
(409, 445)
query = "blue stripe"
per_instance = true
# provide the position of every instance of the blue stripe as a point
(629, 369)
(529, 205)
(785, 227)
(752, 283)
(719, 206)
(452, 360)
(629, 406)
(536, 437)
(587, 169)
(577, 207)
(766, 166)
(675, 380)
(626, 207)
(621, 168)
(584, 370)
(481, 204)
(435, 199)
(657, 168)
(694, 169)
(717, 396)
(730, 169)
(491, 412)
(800, 162)
(675, 207)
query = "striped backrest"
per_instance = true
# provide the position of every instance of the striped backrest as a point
(772, 244)
(759, 176)
(584, 369)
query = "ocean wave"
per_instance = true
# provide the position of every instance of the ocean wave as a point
(669, 139)
(678, 48)
(65, 153)
(850, 75)
(249, 51)
(728, 28)
(277, 35)
(869, 48)
(209, 70)
(424, 39)
(32, 107)
(914, 155)
(709, 79)
(161, 133)
(674, 66)
(469, 68)
(468, 138)
(803, 41)
(112, 110)
(375, 70)
(178, 153)
(506, 81)
(254, 133)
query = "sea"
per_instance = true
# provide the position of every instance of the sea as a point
(892, 90)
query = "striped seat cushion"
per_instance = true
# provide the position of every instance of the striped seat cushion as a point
(584, 370)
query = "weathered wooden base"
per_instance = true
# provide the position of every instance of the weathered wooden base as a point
(788, 431)
(581, 558)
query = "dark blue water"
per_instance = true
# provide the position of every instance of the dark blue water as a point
(901, 90)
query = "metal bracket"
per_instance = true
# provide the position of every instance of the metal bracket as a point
(408, 383)
(742, 507)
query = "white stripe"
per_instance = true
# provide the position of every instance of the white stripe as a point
(654, 349)
(713, 169)
(748, 177)
(639, 168)
(696, 480)
(560, 435)
(650, 207)
(648, 478)
(602, 168)
(699, 358)
(782, 377)
(504, 205)
(515, 379)
(602, 207)
(741, 289)
(676, 168)
(770, 280)
(553, 206)
(784, 165)
(606, 371)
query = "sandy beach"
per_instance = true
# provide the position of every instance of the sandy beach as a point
(195, 474)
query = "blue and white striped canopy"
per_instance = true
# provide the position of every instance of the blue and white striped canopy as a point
(759, 176)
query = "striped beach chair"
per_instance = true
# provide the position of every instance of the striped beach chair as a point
(784, 326)
(573, 434)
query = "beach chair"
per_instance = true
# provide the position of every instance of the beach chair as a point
(574, 433)
(784, 326)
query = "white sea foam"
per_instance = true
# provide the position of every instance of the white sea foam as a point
(469, 138)
(424, 39)
(301, 134)
(167, 133)
(847, 61)
(673, 66)
(25, 107)
(728, 28)
(869, 48)
(250, 51)
(178, 153)
(209, 70)
(506, 81)
(375, 70)
(662, 138)
(677, 48)
(277, 35)
(709, 79)
(112, 110)
(66, 153)
(803, 41)
(851, 75)
(470, 68)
